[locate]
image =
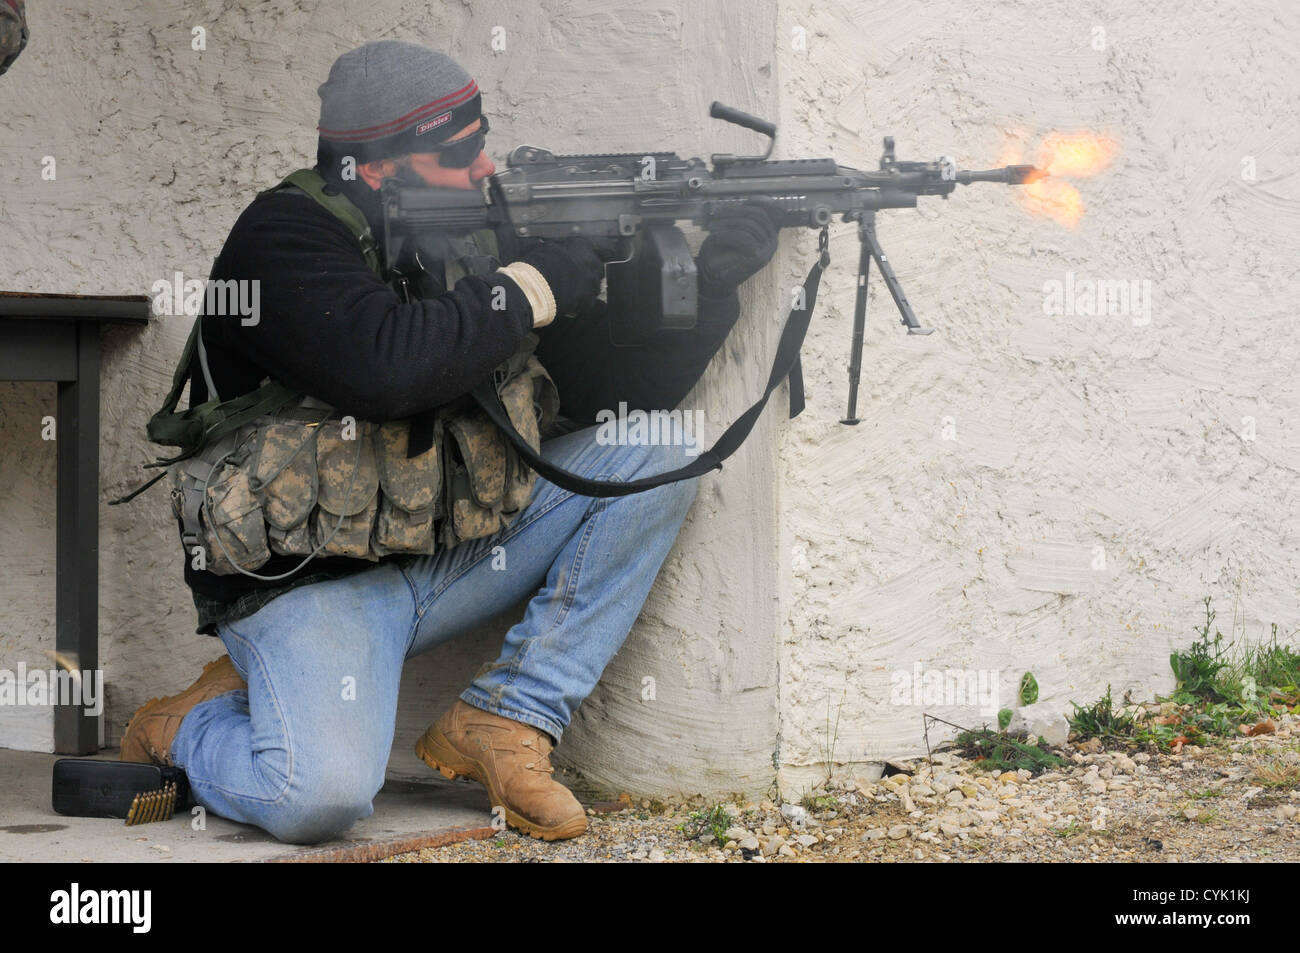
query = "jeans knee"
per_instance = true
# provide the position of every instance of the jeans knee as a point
(315, 810)
(652, 459)
(314, 826)
(671, 497)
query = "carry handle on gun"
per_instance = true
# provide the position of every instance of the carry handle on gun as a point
(745, 120)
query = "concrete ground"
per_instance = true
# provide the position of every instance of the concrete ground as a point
(410, 814)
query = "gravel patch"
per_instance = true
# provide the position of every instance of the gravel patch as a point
(1239, 801)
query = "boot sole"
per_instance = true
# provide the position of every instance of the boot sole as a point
(439, 755)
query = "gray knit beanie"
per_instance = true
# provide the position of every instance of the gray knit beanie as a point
(389, 98)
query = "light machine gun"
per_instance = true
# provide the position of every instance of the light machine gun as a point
(640, 197)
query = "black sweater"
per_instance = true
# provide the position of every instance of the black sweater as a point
(329, 326)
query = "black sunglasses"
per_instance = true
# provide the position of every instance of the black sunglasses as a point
(462, 153)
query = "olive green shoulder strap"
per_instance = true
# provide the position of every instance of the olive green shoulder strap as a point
(194, 429)
(340, 206)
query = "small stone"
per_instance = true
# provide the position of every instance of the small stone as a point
(949, 830)
(794, 813)
(805, 840)
(898, 832)
(954, 797)
(749, 843)
(1010, 777)
(1054, 729)
(657, 856)
(876, 833)
(785, 851)
(736, 833)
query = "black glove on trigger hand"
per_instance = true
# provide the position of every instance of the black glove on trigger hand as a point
(742, 240)
(573, 269)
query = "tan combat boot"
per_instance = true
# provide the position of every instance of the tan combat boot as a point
(512, 760)
(153, 728)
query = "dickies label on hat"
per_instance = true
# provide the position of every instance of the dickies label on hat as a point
(424, 127)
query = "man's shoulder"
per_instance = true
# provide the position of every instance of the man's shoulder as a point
(288, 207)
(285, 225)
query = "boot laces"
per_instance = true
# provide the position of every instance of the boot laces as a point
(543, 764)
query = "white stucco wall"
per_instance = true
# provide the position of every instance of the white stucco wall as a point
(1072, 433)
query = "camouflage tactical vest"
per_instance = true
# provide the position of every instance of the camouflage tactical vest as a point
(305, 480)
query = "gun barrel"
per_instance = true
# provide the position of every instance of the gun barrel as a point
(1007, 175)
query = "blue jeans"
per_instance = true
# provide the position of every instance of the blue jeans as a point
(303, 751)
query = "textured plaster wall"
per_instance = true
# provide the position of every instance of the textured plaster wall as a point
(158, 149)
(1072, 434)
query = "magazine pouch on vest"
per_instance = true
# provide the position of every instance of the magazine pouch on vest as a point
(487, 481)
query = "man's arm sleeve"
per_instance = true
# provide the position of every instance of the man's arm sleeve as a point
(329, 326)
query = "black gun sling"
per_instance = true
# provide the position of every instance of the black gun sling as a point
(785, 364)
